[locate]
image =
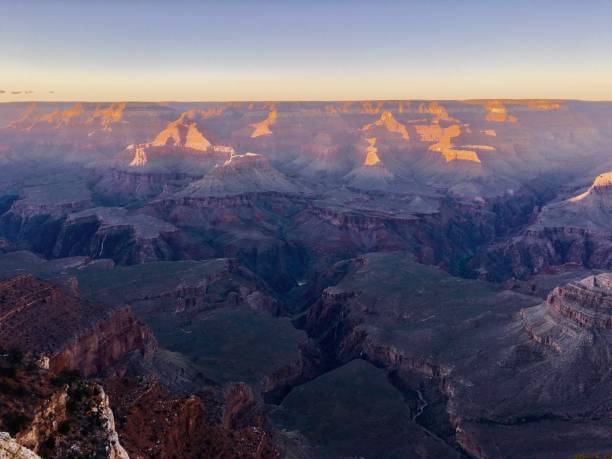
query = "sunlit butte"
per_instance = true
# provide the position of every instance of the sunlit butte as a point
(263, 127)
(371, 158)
(321, 50)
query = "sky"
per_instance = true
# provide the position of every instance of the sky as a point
(183, 50)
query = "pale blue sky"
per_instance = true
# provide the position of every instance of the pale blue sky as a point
(334, 49)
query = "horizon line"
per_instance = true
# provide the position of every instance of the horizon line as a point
(228, 101)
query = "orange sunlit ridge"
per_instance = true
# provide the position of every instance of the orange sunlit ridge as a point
(433, 126)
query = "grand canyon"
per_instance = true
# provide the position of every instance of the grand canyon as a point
(376, 279)
(321, 229)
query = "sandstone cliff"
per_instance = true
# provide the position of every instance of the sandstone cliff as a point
(64, 331)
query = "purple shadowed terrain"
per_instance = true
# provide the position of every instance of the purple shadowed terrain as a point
(306, 279)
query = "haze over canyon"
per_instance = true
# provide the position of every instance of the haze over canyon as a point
(378, 279)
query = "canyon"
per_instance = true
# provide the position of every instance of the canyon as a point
(306, 279)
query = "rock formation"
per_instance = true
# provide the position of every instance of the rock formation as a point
(338, 276)
(110, 232)
(64, 331)
(443, 142)
(372, 173)
(54, 415)
(9, 448)
(154, 422)
(263, 127)
(246, 173)
(576, 230)
(388, 121)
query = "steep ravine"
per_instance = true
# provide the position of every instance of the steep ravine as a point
(335, 340)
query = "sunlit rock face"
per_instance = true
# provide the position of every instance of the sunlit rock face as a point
(594, 205)
(497, 112)
(180, 134)
(371, 173)
(371, 153)
(435, 109)
(180, 141)
(442, 138)
(263, 127)
(186, 131)
(451, 141)
(177, 154)
(387, 121)
(602, 184)
(98, 116)
(140, 156)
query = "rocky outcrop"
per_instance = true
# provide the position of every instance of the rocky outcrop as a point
(115, 450)
(588, 302)
(388, 122)
(357, 221)
(242, 174)
(113, 232)
(571, 313)
(372, 173)
(77, 419)
(262, 128)
(46, 421)
(445, 235)
(33, 218)
(183, 133)
(55, 416)
(554, 357)
(537, 250)
(180, 148)
(105, 344)
(126, 237)
(575, 230)
(10, 449)
(65, 331)
(153, 422)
